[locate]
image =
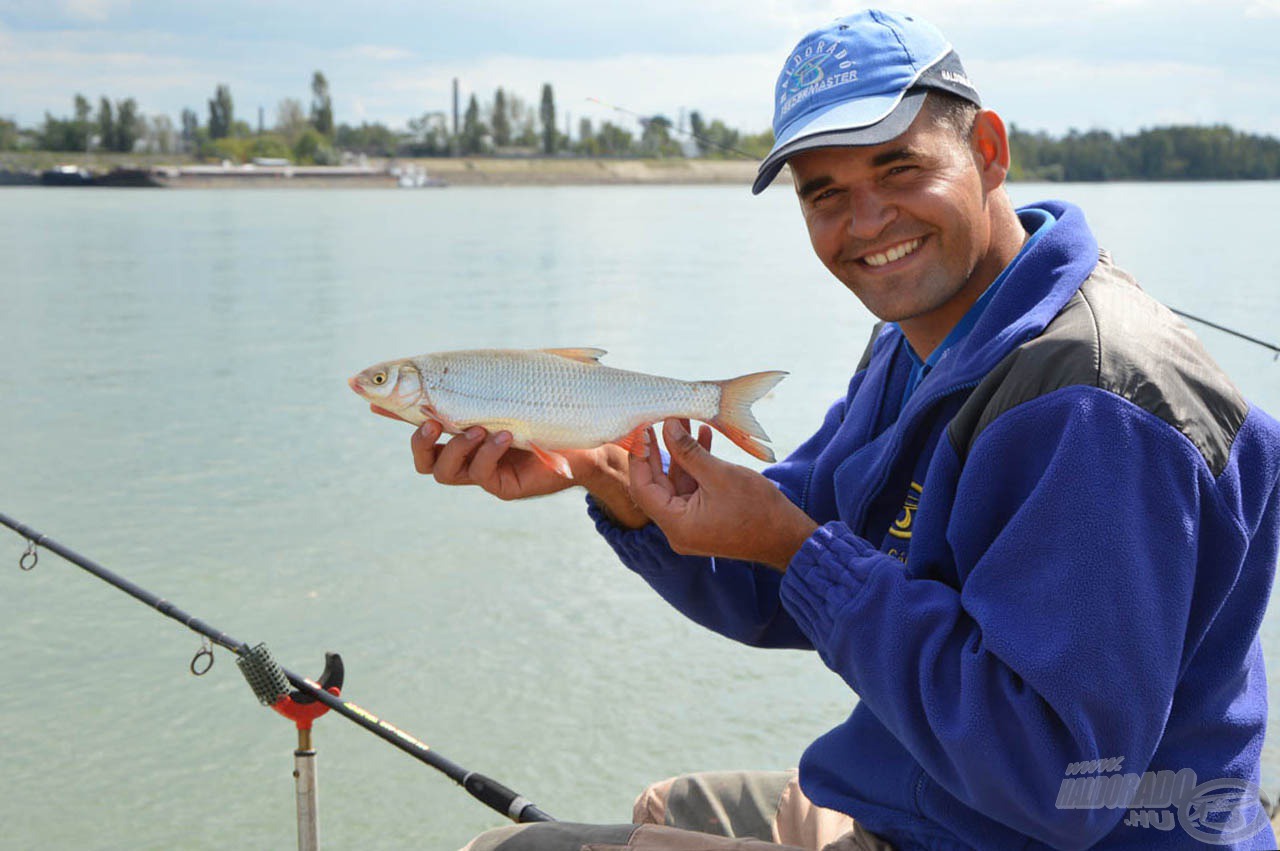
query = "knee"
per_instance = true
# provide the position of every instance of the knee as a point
(651, 805)
(491, 840)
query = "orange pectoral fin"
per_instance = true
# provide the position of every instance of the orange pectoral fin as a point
(383, 412)
(557, 463)
(432, 414)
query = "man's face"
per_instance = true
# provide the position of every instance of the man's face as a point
(903, 224)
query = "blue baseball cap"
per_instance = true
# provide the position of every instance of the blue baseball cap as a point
(860, 80)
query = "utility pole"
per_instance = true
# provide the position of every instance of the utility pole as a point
(260, 123)
(453, 140)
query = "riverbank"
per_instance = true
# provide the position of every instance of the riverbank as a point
(552, 171)
(183, 172)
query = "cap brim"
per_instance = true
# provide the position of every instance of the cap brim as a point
(838, 127)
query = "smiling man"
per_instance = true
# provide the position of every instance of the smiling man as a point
(1035, 538)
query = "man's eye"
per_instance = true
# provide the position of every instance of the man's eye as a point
(900, 169)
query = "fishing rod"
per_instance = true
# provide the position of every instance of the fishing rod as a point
(1272, 346)
(644, 119)
(271, 684)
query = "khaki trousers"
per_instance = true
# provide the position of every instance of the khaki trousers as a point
(711, 811)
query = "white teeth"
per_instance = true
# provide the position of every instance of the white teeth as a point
(895, 253)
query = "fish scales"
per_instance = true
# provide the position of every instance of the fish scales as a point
(554, 401)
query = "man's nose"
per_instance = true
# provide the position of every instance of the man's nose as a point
(870, 213)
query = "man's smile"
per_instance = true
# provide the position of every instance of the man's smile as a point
(892, 254)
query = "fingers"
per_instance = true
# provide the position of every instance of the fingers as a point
(448, 463)
(423, 444)
(679, 478)
(692, 455)
(484, 464)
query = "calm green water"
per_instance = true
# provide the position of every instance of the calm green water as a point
(173, 404)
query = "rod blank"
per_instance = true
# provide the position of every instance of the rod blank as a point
(483, 789)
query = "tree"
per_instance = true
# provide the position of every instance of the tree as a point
(472, 130)
(159, 134)
(499, 122)
(221, 113)
(314, 148)
(128, 126)
(612, 139)
(291, 121)
(82, 127)
(699, 131)
(547, 111)
(375, 139)
(190, 129)
(321, 105)
(8, 135)
(429, 135)
(106, 125)
(655, 140)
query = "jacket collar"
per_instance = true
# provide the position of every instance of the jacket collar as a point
(1040, 282)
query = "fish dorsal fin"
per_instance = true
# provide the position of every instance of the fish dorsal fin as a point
(583, 355)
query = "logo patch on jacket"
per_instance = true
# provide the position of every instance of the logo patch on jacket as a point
(901, 527)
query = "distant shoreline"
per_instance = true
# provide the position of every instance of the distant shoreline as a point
(454, 171)
(180, 172)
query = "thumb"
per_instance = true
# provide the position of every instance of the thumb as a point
(686, 451)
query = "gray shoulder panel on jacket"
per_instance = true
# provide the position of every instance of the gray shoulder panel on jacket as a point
(1113, 336)
(865, 360)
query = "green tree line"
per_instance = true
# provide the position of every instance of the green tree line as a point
(1163, 153)
(505, 124)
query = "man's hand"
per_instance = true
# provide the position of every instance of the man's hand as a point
(489, 462)
(710, 507)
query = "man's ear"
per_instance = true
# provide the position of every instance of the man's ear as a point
(990, 145)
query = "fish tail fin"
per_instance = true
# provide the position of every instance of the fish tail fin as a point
(734, 419)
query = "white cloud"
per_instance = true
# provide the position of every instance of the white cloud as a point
(374, 53)
(92, 11)
(734, 88)
(1263, 9)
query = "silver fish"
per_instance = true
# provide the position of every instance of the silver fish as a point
(550, 399)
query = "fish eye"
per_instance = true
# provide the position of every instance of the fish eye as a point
(380, 378)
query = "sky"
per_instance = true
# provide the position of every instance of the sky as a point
(1118, 65)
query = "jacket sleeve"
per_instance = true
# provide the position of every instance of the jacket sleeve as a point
(737, 599)
(1075, 528)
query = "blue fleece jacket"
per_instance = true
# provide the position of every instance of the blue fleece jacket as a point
(1077, 585)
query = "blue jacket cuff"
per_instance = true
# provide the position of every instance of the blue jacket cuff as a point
(641, 550)
(826, 574)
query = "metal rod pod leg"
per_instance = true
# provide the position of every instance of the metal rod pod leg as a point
(304, 774)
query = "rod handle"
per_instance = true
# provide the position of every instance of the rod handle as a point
(517, 807)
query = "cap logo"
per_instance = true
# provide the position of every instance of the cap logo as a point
(807, 72)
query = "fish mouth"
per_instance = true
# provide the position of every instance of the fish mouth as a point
(354, 383)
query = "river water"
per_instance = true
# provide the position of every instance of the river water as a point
(173, 404)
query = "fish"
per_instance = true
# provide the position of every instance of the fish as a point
(556, 399)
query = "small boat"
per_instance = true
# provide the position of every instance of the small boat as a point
(131, 177)
(415, 177)
(67, 175)
(18, 178)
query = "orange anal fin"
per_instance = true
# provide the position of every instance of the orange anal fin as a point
(633, 441)
(557, 463)
(743, 441)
